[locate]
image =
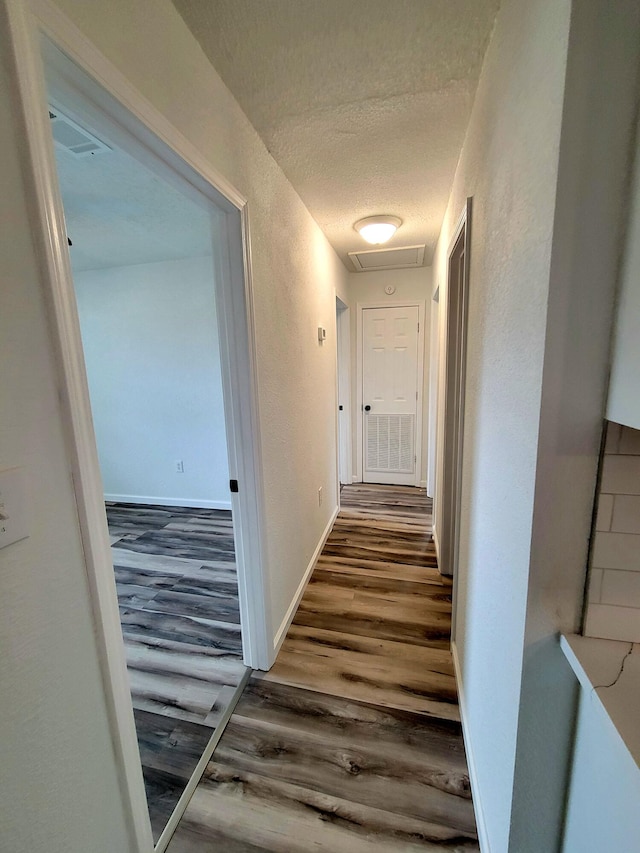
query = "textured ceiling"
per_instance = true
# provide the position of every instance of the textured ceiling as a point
(119, 213)
(363, 103)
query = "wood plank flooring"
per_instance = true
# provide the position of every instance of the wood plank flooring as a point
(178, 595)
(352, 742)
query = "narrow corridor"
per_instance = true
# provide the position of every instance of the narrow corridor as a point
(352, 742)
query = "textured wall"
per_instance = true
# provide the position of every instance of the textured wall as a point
(545, 160)
(295, 271)
(509, 166)
(60, 791)
(150, 339)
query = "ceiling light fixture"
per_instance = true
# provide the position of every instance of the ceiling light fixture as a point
(378, 229)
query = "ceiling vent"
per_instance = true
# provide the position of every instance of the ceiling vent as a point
(73, 138)
(388, 259)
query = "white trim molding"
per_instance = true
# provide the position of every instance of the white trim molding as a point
(343, 364)
(291, 610)
(135, 124)
(481, 825)
(144, 132)
(61, 30)
(436, 543)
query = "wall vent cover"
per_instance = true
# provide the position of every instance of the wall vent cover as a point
(390, 443)
(73, 138)
(403, 257)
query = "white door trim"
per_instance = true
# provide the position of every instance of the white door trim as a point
(449, 491)
(343, 344)
(434, 368)
(50, 20)
(238, 358)
(360, 308)
(234, 301)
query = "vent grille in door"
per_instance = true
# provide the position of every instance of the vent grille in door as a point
(390, 443)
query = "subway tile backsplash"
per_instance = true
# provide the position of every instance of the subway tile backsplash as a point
(613, 599)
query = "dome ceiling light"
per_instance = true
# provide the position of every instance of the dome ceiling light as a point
(378, 229)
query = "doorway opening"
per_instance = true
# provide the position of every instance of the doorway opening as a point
(145, 300)
(141, 254)
(455, 368)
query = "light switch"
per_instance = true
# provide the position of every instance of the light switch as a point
(13, 506)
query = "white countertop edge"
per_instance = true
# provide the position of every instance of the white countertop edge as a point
(597, 665)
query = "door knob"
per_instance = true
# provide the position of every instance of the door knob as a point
(367, 408)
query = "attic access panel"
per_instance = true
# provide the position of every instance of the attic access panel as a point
(403, 257)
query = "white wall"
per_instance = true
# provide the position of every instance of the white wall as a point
(509, 165)
(150, 341)
(368, 287)
(546, 184)
(602, 808)
(60, 790)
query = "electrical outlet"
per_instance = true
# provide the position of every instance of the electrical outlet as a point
(179, 467)
(320, 496)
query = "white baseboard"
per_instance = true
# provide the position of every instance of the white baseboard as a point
(423, 484)
(196, 503)
(291, 610)
(481, 825)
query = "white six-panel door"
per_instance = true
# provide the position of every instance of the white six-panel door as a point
(389, 394)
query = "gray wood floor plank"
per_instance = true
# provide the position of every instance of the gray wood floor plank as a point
(352, 742)
(190, 630)
(370, 682)
(388, 729)
(169, 745)
(351, 772)
(239, 812)
(178, 594)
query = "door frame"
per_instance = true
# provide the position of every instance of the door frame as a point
(343, 351)
(234, 296)
(396, 303)
(432, 413)
(453, 433)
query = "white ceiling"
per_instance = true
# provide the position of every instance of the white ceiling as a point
(363, 103)
(119, 213)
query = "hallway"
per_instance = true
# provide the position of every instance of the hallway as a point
(352, 742)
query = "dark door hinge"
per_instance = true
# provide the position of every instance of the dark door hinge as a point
(233, 485)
